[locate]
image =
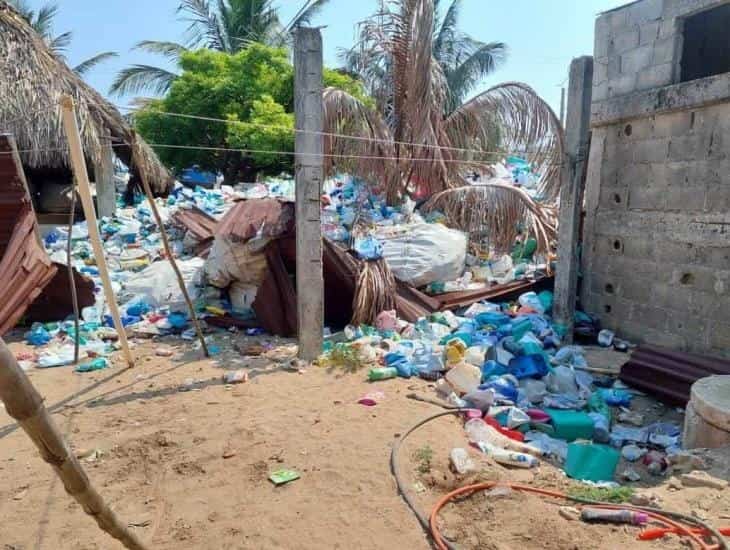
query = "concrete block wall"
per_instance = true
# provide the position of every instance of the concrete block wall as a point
(656, 260)
(637, 47)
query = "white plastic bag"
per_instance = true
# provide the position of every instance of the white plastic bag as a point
(229, 262)
(424, 253)
(158, 283)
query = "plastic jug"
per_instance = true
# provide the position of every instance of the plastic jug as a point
(464, 378)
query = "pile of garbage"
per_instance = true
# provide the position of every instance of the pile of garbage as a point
(526, 397)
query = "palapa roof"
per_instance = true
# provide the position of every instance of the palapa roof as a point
(32, 81)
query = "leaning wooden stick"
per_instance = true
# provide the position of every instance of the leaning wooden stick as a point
(78, 163)
(165, 243)
(24, 404)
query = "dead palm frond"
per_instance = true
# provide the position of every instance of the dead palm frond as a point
(497, 213)
(419, 67)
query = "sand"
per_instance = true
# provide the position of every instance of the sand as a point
(188, 469)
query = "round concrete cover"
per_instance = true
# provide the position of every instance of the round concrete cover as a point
(711, 400)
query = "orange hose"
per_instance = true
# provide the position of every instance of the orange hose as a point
(659, 532)
(438, 539)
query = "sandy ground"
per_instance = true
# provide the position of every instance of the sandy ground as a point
(188, 469)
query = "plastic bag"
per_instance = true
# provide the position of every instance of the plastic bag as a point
(425, 253)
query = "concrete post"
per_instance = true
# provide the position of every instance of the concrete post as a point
(577, 140)
(309, 173)
(106, 200)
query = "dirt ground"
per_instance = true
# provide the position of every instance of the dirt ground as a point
(184, 459)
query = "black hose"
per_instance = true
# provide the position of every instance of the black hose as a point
(424, 521)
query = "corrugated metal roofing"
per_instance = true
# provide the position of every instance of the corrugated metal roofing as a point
(25, 268)
(668, 375)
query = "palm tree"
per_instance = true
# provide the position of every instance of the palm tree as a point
(228, 26)
(42, 23)
(420, 69)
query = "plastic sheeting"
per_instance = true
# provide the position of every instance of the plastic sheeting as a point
(230, 262)
(158, 283)
(425, 253)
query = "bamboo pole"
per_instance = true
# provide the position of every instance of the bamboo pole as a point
(166, 243)
(24, 404)
(70, 268)
(82, 180)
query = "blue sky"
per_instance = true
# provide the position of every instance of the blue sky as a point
(542, 35)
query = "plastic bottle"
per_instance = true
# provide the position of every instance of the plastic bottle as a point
(479, 431)
(614, 516)
(508, 458)
(460, 461)
(382, 373)
(464, 378)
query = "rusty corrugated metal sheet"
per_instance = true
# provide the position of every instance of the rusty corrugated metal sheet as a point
(269, 217)
(668, 375)
(25, 268)
(200, 224)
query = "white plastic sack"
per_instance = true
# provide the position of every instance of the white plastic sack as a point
(425, 253)
(158, 283)
(242, 297)
(229, 262)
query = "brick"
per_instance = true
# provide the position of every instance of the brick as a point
(655, 76)
(673, 124)
(649, 32)
(624, 41)
(651, 150)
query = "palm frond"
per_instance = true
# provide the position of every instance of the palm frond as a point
(312, 10)
(205, 25)
(527, 125)
(496, 214)
(43, 21)
(139, 78)
(24, 10)
(481, 60)
(170, 50)
(447, 31)
(85, 66)
(60, 43)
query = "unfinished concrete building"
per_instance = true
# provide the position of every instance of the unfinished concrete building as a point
(656, 248)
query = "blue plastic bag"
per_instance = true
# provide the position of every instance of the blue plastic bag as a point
(368, 248)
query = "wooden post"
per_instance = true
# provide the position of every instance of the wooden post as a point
(562, 107)
(165, 243)
(577, 140)
(82, 181)
(21, 174)
(106, 196)
(309, 169)
(24, 404)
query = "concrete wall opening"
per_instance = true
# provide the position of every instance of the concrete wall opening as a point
(706, 44)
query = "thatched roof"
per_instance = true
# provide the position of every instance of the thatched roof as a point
(32, 81)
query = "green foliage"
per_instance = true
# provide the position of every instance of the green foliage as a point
(615, 495)
(424, 457)
(253, 89)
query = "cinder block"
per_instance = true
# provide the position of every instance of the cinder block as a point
(651, 150)
(720, 336)
(600, 91)
(664, 51)
(637, 59)
(634, 288)
(670, 253)
(624, 41)
(637, 130)
(693, 329)
(640, 248)
(686, 198)
(613, 67)
(623, 85)
(655, 77)
(633, 174)
(613, 198)
(602, 36)
(650, 317)
(644, 11)
(618, 20)
(600, 71)
(669, 26)
(673, 124)
(714, 257)
(647, 197)
(685, 148)
(667, 296)
(649, 32)
(717, 198)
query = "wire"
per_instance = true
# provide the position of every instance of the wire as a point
(326, 134)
